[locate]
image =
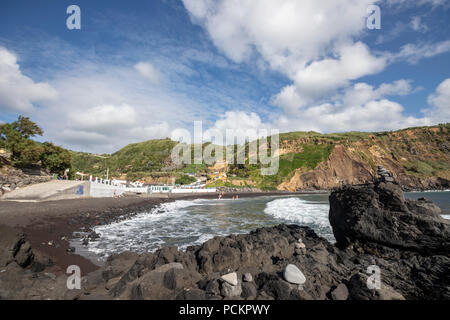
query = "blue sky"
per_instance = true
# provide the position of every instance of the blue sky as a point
(143, 69)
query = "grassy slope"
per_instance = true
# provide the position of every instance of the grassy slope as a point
(418, 150)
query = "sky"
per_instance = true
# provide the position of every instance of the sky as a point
(139, 70)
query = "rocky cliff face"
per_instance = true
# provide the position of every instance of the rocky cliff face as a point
(418, 158)
(375, 228)
(341, 168)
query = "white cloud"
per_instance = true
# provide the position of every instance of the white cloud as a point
(106, 107)
(148, 71)
(102, 107)
(408, 3)
(374, 115)
(417, 24)
(85, 139)
(415, 52)
(289, 99)
(282, 31)
(400, 87)
(324, 76)
(236, 124)
(311, 42)
(161, 130)
(105, 118)
(360, 107)
(18, 92)
(440, 103)
(362, 93)
(238, 120)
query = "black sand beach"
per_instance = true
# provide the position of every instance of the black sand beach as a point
(49, 225)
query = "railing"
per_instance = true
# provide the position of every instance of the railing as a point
(100, 188)
(107, 182)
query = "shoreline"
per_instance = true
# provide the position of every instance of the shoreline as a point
(265, 254)
(49, 225)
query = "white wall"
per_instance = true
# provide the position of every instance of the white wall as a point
(137, 189)
(208, 190)
(100, 190)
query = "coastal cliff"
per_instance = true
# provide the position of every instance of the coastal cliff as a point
(375, 227)
(419, 159)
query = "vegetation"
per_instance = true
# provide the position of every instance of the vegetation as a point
(56, 159)
(185, 179)
(16, 138)
(304, 151)
(422, 152)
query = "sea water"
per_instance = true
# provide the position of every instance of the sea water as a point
(183, 223)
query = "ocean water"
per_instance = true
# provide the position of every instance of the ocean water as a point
(440, 198)
(189, 222)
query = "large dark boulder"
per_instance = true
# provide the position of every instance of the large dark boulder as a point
(379, 214)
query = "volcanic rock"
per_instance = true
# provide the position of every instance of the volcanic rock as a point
(340, 292)
(379, 214)
(374, 226)
(228, 290)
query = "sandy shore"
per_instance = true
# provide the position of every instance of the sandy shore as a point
(50, 224)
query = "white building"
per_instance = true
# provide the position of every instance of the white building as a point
(163, 189)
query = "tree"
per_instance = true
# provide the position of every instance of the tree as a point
(185, 179)
(16, 137)
(56, 159)
(26, 127)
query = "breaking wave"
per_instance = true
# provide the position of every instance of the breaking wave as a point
(183, 223)
(302, 212)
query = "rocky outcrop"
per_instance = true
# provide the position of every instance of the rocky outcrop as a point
(380, 214)
(341, 168)
(11, 179)
(379, 234)
(417, 158)
(16, 249)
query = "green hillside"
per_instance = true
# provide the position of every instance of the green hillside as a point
(421, 153)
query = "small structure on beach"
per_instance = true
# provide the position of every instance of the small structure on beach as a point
(160, 188)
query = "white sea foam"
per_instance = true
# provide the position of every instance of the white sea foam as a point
(302, 212)
(446, 216)
(147, 230)
(299, 211)
(184, 223)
